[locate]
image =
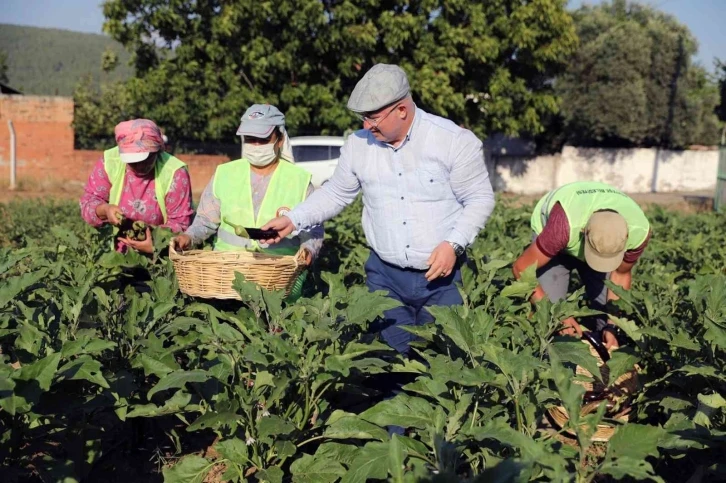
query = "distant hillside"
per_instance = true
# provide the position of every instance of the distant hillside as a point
(46, 61)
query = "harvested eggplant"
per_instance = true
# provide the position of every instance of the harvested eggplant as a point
(251, 233)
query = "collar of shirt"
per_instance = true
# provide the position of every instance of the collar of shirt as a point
(414, 124)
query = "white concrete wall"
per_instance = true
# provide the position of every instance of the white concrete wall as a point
(631, 170)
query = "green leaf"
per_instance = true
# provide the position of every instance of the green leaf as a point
(397, 454)
(502, 432)
(352, 427)
(371, 462)
(154, 366)
(342, 453)
(635, 441)
(576, 352)
(233, 449)
(523, 287)
(190, 469)
(570, 393)
(273, 426)
(455, 327)
(178, 403)
(629, 327)
(622, 360)
(402, 410)
(427, 387)
(41, 371)
(708, 405)
(213, 420)
(178, 379)
(14, 286)
(706, 371)
(505, 472)
(682, 340)
(285, 449)
(272, 474)
(316, 469)
(85, 346)
(84, 368)
(364, 306)
(8, 400)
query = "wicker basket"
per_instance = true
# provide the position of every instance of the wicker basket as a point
(624, 387)
(209, 274)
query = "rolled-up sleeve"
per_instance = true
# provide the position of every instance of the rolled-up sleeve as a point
(312, 239)
(96, 192)
(471, 186)
(330, 199)
(207, 221)
(179, 202)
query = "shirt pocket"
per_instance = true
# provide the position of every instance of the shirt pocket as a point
(434, 181)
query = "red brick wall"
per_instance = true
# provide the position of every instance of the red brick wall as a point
(44, 145)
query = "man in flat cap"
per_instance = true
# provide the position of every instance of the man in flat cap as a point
(426, 195)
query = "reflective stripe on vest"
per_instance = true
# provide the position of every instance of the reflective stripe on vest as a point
(164, 169)
(580, 200)
(287, 188)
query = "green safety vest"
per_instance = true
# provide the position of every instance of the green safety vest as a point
(166, 166)
(580, 200)
(288, 188)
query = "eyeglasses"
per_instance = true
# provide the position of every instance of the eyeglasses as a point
(376, 122)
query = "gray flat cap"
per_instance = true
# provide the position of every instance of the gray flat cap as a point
(382, 85)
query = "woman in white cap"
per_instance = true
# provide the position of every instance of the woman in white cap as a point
(139, 181)
(249, 192)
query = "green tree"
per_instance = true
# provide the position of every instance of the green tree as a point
(486, 65)
(633, 82)
(97, 111)
(3, 67)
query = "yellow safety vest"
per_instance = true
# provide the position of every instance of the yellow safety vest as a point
(287, 188)
(580, 200)
(166, 166)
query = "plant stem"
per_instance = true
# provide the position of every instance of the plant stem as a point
(518, 413)
(315, 438)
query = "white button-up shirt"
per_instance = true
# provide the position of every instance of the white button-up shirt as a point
(433, 187)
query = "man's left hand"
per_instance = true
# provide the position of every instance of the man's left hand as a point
(146, 246)
(441, 262)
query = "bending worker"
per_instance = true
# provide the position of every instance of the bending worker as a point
(592, 228)
(140, 181)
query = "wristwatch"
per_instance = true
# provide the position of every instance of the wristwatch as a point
(458, 249)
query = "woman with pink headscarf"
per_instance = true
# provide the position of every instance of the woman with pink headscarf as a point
(138, 180)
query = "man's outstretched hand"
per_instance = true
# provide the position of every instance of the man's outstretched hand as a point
(282, 225)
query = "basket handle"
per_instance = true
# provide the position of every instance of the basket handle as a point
(301, 256)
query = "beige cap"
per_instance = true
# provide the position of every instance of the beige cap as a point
(606, 235)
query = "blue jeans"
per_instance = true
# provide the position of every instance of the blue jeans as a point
(410, 287)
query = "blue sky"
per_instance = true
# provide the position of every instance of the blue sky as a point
(705, 18)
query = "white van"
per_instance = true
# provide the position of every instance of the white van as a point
(317, 154)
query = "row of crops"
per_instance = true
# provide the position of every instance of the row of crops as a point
(110, 374)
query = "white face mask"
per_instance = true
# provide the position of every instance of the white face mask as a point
(259, 155)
